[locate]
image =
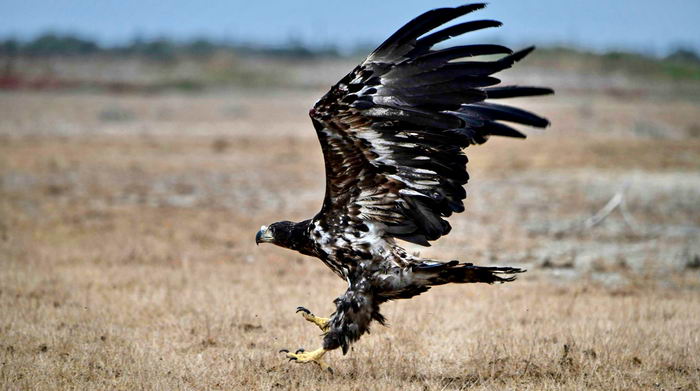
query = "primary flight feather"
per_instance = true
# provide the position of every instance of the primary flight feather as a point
(392, 133)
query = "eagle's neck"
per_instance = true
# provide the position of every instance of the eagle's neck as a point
(299, 239)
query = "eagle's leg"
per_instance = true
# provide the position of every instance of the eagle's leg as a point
(322, 323)
(302, 356)
(355, 310)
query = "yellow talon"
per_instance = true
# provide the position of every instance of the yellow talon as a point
(303, 357)
(322, 323)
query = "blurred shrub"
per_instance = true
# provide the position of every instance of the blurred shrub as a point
(684, 55)
(56, 44)
(683, 64)
(159, 48)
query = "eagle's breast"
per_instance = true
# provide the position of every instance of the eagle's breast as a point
(345, 249)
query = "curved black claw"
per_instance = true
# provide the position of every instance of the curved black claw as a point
(300, 350)
(284, 351)
(302, 309)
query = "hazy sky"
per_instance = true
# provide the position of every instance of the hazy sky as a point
(644, 25)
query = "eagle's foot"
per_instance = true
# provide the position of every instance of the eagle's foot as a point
(301, 356)
(322, 323)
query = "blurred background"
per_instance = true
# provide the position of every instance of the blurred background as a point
(183, 46)
(143, 143)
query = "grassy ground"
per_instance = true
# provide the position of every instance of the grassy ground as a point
(128, 259)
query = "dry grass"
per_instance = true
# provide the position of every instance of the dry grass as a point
(128, 262)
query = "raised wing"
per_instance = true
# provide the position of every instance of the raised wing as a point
(392, 131)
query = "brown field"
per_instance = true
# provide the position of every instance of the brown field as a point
(128, 259)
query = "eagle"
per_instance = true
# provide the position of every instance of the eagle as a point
(393, 131)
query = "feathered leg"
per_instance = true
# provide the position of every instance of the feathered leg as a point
(355, 310)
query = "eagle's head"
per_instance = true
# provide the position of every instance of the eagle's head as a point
(279, 233)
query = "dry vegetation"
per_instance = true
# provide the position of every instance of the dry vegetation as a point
(128, 259)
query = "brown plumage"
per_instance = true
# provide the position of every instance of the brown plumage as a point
(392, 133)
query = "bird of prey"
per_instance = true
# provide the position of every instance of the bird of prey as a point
(392, 133)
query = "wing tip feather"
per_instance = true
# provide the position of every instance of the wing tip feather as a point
(471, 7)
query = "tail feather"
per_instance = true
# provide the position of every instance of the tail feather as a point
(455, 272)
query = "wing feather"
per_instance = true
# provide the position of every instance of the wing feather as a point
(392, 130)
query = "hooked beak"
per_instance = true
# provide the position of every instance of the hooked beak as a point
(263, 236)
